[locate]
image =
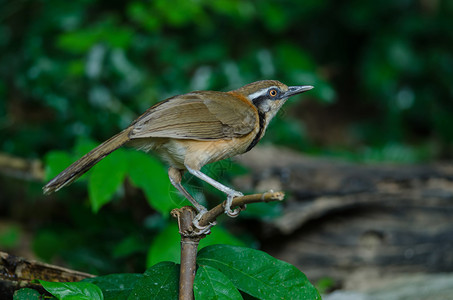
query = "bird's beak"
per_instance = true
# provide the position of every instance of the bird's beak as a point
(294, 90)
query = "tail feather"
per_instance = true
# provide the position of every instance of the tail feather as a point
(85, 163)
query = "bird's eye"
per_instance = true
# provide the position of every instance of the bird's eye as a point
(273, 93)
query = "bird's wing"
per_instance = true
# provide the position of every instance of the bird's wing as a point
(199, 116)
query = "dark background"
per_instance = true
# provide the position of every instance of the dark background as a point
(72, 71)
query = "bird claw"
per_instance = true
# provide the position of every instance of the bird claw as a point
(232, 213)
(237, 194)
(202, 229)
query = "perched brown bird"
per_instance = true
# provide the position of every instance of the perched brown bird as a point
(191, 130)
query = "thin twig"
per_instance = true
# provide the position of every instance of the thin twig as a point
(213, 213)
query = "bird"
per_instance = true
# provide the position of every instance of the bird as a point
(191, 130)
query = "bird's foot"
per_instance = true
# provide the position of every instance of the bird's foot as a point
(202, 229)
(233, 213)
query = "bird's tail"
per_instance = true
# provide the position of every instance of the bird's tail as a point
(85, 163)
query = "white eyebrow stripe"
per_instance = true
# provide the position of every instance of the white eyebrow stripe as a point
(260, 93)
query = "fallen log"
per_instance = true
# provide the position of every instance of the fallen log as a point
(17, 272)
(356, 223)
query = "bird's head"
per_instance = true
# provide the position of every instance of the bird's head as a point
(269, 95)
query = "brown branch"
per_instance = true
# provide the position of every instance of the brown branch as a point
(189, 245)
(17, 167)
(212, 214)
(190, 236)
(17, 272)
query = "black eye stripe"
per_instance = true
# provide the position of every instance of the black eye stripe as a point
(267, 96)
(257, 101)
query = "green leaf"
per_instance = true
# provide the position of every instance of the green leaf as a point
(73, 290)
(257, 273)
(83, 146)
(149, 174)
(55, 162)
(158, 282)
(26, 294)
(210, 283)
(115, 286)
(165, 246)
(105, 179)
(220, 235)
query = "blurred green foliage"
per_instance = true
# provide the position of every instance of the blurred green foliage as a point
(106, 177)
(10, 236)
(87, 68)
(72, 70)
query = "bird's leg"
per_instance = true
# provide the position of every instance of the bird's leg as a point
(175, 176)
(229, 191)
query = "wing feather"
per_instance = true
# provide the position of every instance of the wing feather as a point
(199, 116)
